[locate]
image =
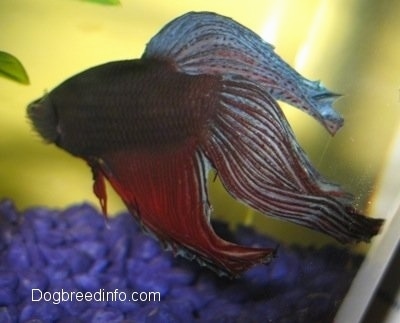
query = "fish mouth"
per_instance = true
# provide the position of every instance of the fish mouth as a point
(43, 116)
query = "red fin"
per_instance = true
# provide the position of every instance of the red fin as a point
(167, 192)
(99, 188)
(260, 163)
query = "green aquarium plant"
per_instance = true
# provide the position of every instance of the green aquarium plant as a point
(12, 68)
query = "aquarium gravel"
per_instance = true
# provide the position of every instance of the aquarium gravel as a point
(77, 250)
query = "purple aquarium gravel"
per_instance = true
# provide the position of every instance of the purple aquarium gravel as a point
(44, 253)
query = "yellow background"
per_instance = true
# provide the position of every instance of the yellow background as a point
(352, 46)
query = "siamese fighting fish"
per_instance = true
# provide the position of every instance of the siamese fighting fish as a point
(203, 97)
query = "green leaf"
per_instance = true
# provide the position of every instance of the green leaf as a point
(11, 68)
(105, 2)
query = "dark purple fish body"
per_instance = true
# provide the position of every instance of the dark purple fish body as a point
(130, 104)
(203, 96)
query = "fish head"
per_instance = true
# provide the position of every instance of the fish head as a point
(42, 113)
(51, 119)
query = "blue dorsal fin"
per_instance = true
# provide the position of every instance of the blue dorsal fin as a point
(208, 43)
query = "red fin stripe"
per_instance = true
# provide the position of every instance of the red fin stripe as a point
(261, 164)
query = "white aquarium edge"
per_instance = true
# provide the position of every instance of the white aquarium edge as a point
(365, 284)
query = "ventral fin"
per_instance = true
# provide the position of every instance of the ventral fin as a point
(99, 187)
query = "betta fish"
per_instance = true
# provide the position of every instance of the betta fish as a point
(202, 97)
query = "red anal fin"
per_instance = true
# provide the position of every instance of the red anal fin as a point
(168, 190)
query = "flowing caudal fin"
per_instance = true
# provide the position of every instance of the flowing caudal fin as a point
(260, 163)
(167, 192)
(207, 43)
